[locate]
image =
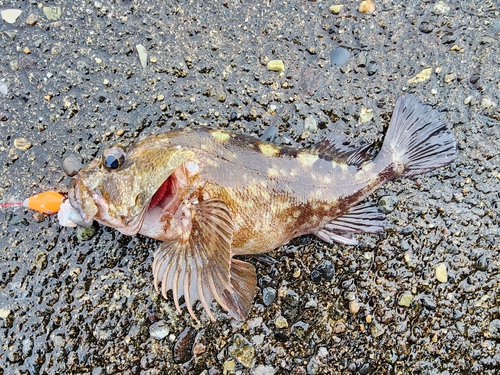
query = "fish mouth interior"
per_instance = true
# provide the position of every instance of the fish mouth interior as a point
(165, 194)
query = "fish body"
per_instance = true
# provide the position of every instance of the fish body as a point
(211, 194)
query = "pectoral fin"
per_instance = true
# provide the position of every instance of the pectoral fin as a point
(364, 217)
(199, 266)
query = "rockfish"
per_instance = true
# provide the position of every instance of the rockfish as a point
(211, 194)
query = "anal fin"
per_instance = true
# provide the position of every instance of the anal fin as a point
(243, 280)
(364, 217)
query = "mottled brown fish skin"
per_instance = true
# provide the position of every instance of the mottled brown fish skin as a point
(210, 194)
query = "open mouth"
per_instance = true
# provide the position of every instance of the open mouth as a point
(166, 194)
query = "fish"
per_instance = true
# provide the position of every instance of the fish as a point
(212, 195)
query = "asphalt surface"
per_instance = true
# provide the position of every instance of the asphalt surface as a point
(74, 84)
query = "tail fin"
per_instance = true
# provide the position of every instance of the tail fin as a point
(417, 138)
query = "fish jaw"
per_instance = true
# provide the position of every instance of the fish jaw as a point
(121, 198)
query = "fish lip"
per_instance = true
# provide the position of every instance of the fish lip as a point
(75, 202)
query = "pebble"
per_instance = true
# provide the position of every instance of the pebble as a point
(313, 366)
(159, 330)
(281, 322)
(268, 295)
(53, 13)
(371, 68)
(4, 90)
(31, 20)
(487, 103)
(339, 56)
(450, 77)
(366, 114)
(482, 263)
(440, 8)
(143, 55)
(300, 329)
(276, 66)
(326, 270)
(263, 370)
(183, 347)
(441, 273)
(4, 313)
(11, 15)
(229, 366)
(423, 76)
(310, 124)
(336, 9)
(367, 6)
(71, 164)
(22, 144)
(242, 350)
(388, 203)
(85, 234)
(354, 307)
(405, 300)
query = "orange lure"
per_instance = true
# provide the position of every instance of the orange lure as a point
(47, 202)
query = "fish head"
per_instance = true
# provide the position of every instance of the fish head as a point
(118, 188)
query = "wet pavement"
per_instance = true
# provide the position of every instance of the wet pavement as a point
(423, 297)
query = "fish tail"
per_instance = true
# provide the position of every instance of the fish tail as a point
(417, 140)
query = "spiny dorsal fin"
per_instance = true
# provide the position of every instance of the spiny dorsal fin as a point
(198, 265)
(337, 147)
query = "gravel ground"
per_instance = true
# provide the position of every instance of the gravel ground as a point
(72, 83)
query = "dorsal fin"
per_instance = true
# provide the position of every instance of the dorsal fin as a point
(337, 147)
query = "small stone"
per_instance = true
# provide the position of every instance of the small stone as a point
(281, 322)
(270, 135)
(71, 164)
(440, 8)
(310, 124)
(354, 307)
(22, 144)
(377, 330)
(268, 295)
(229, 366)
(143, 55)
(53, 13)
(183, 347)
(153, 59)
(85, 234)
(31, 20)
(482, 263)
(11, 15)
(339, 56)
(450, 77)
(263, 370)
(405, 300)
(366, 114)
(371, 68)
(369, 319)
(4, 313)
(316, 276)
(313, 366)
(367, 6)
(159, 330)
(276, 66)
(336, 9)
(388, 203)
(487, 103)
(441, 273)
(14, 65)
(326, 269)
(242, 350)
(300, 330)
(423, 76)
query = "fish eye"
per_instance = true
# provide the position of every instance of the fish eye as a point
(113, 157)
